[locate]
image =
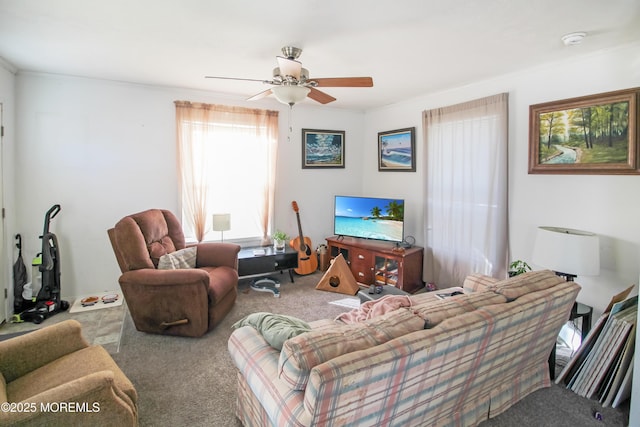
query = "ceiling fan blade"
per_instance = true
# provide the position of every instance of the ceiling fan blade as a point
(260, 95)
(236, 78)
(289, 67)
(344, 82)
(321, 97)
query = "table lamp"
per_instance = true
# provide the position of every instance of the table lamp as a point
(222, 223)
(569, 253)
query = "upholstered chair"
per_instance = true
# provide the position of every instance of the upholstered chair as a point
(54, 366)
(188, 300)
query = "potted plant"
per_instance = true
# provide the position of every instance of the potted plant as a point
(518, 267)
(279, 239)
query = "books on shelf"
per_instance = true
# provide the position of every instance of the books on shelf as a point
(601, 367)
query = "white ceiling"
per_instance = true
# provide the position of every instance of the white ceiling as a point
(409, 47)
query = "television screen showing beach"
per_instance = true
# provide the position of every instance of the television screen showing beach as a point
(370, 218)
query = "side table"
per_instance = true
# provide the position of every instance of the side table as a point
(578, 311)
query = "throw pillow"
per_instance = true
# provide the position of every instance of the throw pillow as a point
(184, 258)
(274, 328)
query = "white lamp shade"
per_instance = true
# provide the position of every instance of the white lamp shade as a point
(221, 222)
(567, 251)
(289, 95)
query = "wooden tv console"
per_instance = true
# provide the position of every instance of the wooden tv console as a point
(373, 261)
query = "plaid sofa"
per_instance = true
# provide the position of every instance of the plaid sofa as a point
(456, 361)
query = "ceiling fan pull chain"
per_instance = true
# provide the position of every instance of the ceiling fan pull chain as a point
(289, 122)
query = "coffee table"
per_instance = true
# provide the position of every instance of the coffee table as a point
(265, 260)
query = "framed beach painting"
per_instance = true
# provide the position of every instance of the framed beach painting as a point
(397, 150)
(595, 134)
(322, 148)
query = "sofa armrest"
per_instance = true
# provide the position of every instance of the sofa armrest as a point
(23, 354)
(217, 255)
(98, 401)
(257, 362)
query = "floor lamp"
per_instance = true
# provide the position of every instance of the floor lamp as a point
(222, 223)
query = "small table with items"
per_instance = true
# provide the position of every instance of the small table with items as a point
(578, 311)
(264, 260)
(375, 292)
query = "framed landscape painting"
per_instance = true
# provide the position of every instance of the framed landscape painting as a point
(322, 148)
(397, 150)
(595, 134)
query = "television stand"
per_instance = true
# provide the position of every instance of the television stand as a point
(377, 262)
(397, 248)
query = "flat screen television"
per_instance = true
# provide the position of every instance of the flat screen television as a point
(369, 218)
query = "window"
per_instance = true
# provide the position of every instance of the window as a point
(226, 164)
(466, 190)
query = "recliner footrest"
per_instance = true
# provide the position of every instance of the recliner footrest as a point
(166, 325)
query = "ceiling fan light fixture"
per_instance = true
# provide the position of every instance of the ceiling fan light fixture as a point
(304, 75)
(290, 95)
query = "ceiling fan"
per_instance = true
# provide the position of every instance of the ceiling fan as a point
(291, 82)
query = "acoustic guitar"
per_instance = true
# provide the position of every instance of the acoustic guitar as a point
(307, 259)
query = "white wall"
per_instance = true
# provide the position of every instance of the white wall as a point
(9, 251)
(314, 189)
(605, 204)
(103, 150)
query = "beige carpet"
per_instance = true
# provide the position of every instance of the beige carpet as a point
(191, 381)
(103, 327)
(186, 381)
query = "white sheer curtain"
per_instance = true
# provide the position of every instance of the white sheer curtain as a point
(226, 163)
(466, 221)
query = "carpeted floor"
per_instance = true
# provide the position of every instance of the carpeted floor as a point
(103, 326)
(183, 381)
(187, 381)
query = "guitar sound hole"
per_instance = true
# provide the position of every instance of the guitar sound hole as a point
(334, 281)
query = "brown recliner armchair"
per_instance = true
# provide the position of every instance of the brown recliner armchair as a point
(187, 302)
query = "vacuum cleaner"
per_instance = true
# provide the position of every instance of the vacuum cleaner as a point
(48, 301)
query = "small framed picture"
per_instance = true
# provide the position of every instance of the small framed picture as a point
(322, 148)
(397, 150)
